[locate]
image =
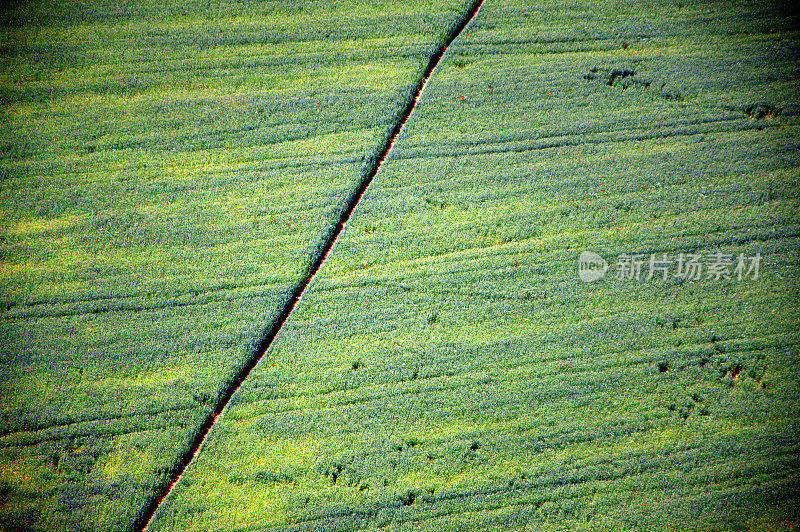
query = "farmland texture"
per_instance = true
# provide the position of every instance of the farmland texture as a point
(448, 369)
(169, 171)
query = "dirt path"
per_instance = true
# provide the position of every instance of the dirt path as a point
(272, 332)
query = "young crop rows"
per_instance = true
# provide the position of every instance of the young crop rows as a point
(172, 174)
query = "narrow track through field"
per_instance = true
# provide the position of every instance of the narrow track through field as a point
(273, 330)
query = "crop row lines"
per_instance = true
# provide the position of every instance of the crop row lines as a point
(529, 490)
(737, 124)
(476, 376)
(132, 303)
(90, 427)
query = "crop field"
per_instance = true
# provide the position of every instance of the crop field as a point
(168, 173)
(171, 173)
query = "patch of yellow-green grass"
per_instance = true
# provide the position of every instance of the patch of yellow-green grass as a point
(256, 481)
(147, 377)
(332, 143)
(21, 475)
(246, 505)
(134, 454)
(28, 228)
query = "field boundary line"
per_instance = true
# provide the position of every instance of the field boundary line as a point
(155, 503)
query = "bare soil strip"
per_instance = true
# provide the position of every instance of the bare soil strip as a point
(273, 330)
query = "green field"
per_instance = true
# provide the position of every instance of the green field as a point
(170, 172)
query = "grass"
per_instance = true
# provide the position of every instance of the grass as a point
(169, 171)
(460, 375)
(167, 177)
